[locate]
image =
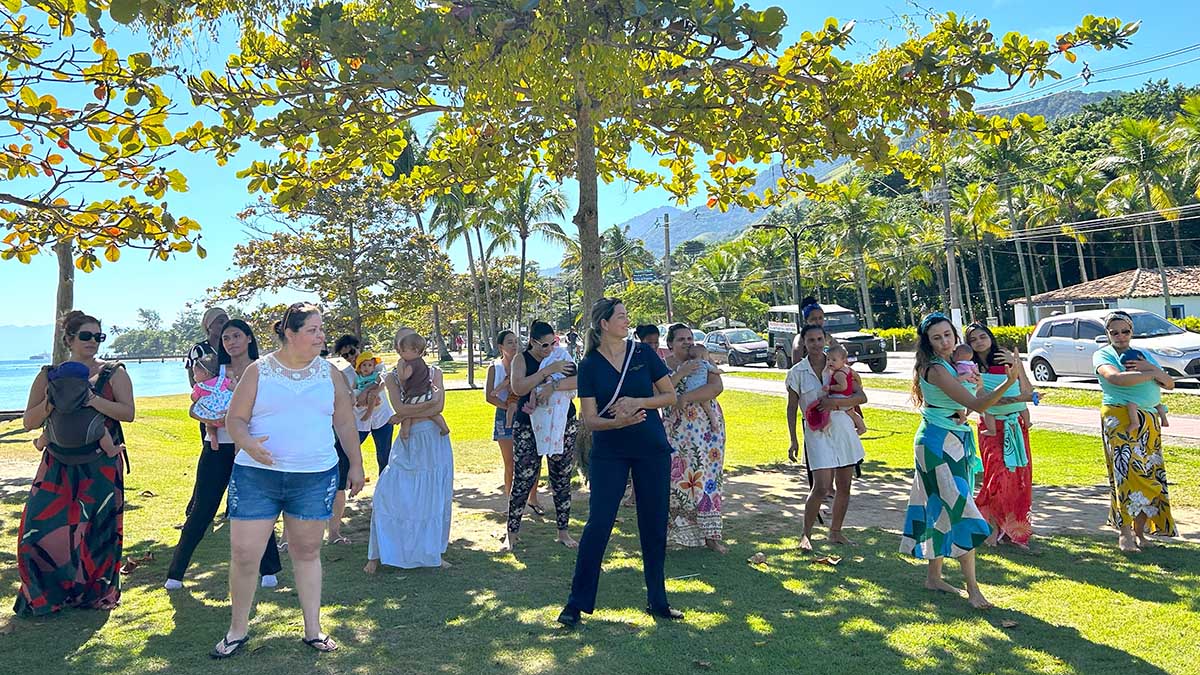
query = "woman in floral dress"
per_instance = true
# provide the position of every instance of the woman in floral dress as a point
(696, 430)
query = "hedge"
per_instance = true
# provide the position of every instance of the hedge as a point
(1012, 337)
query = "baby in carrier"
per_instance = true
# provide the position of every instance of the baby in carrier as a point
(74, 429)
(548, 407)
(699, 378)
(1135, 424)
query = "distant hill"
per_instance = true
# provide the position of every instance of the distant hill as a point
(710, 225)
(21, 342)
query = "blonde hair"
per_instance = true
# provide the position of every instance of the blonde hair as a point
(413, 341)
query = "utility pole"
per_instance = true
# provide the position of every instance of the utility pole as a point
(667, 262)
(943, 195)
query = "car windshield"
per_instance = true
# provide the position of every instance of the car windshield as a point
(1153, 325)
(742, 336)
(841, 322)
(697, 335)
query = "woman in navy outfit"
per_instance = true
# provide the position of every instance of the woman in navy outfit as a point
(627, 438)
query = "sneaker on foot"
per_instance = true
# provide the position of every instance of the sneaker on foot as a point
(173, 585)
(269, 581)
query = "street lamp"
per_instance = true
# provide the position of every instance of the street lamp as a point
(795, 235)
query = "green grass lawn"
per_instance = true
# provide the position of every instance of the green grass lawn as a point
(1180, 404)
(1073, 605)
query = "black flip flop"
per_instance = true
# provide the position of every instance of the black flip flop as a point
(321, 644)
(235, 644)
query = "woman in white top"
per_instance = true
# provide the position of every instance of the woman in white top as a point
(283, 416)
(499, 393)
(830, 452)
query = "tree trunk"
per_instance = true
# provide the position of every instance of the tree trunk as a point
(1178, 243)
(521, 280)
(487, 292)
(1057, 262)
(864, 283)
(1083, 275)
(896, 283)
(438, 338)
(474, 275)
(587, 216)
(991, 252)
(1095, 273)
(1137, 247)
(1025, 285)
(1158, 259)
(66, 298)
(939, 275)
(352, 283)
(983, 277)
(966, 288)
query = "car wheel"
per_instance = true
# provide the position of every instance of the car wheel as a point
(1042, 371)
(879, 365)
(733, 359)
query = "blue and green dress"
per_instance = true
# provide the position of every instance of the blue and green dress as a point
(942, 518)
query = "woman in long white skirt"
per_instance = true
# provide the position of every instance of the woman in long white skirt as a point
(410, 518)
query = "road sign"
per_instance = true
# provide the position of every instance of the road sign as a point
(644, 276)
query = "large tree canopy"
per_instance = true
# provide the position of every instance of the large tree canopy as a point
(573, 87)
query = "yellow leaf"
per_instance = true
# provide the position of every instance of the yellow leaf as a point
(112, 253)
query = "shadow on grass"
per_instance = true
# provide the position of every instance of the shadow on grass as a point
(493, 613)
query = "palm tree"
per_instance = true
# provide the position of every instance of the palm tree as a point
(454, 215)
(623, 255)
(1068, 193)
(903, 265)
(1004, 160)
(976, 207)
(1118, 200)
(1179, 188)
(856, 209)
(769, 251)
(526, 210)
(1144, 151)
(724, 283)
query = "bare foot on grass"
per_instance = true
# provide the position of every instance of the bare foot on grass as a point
(806, 544)
(716, 545)
(941, 586)
(977, 600)
(371, 567)
(839, 538)
(567, 540)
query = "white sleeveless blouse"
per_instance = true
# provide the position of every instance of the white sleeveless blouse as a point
(294, 408)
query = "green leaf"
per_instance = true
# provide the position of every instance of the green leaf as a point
(125, 11)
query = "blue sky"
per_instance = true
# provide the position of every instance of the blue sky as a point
(116, 291)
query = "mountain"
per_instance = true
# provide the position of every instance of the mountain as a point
(710, 225)
(21, 342)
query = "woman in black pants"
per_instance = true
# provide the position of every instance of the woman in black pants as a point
(237, 350)
(527, 463)
(628, 437)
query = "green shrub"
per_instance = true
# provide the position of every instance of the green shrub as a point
(1191, 323)
(1010, 337)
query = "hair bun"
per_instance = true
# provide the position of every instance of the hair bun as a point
(278, 328)
(71, 316)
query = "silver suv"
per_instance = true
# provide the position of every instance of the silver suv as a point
(1064, 344)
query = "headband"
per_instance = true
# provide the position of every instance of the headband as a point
(809, 309)
(1117, 315)
(929, 320)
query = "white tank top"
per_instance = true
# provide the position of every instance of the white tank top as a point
(295, 409)
(501, 375)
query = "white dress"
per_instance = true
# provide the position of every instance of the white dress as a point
(410, 516)
(836, 445)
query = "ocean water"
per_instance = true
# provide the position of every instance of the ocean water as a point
(152, 378)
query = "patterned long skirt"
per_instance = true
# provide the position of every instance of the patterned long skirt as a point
(69, 545)
(942, 519)
(1006, 495)
(1137, 476)
(696, 432)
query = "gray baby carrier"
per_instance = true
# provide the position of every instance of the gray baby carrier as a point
(74, 429)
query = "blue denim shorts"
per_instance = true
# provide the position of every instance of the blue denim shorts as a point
(261, 494)
(500, 432)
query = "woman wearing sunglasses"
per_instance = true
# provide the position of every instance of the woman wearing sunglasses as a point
(1137, 477)
(69, 543)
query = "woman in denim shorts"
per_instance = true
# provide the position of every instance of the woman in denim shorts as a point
(284, 415)
(498, 394)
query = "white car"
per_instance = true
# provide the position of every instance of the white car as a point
(1063, 345)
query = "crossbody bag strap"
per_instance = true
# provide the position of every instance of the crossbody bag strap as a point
(629, 349)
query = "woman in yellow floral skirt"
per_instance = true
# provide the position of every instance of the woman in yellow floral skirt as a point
(1131, 381)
